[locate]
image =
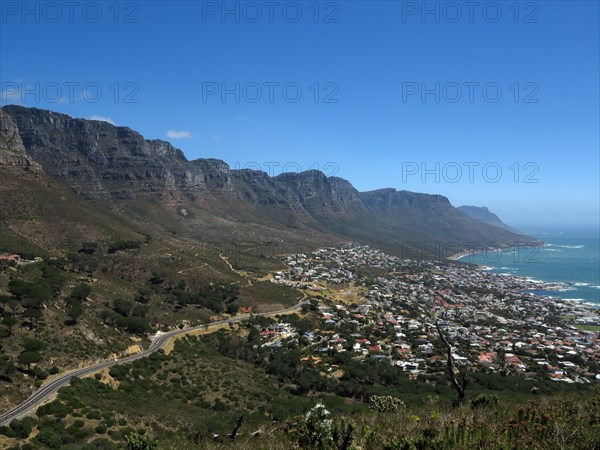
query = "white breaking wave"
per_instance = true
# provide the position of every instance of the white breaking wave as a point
(568, 246)
(533, 280)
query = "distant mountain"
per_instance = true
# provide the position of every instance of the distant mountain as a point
(150, 184)
(483, 214)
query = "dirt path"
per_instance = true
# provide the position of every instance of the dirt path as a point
(240, 273)
(192, 268)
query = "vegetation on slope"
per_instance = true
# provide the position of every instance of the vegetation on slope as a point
(196, 396)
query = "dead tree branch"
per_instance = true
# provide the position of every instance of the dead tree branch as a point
(459, 386)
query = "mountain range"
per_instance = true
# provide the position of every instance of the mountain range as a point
(68, 180)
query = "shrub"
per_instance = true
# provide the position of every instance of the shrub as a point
(483, 400)
(140, 442)
(33, 345)
(49, 438)
(40, 374)
(123, 245)
(56, 408)
(94, 415)
(21, 429)
(316, 430)
(386, 403)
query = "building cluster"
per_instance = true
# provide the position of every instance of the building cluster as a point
(493, 321)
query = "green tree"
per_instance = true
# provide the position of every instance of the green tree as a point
(122, 306)
(108, 316)
(7, 368)
(232, 308)
(34, 315)
(10, 322)
(144, 294)
(29, 358)
(33, 345)
(4, 299)
(75, 311)
(81, 291)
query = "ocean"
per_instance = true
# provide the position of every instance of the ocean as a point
(571, 256)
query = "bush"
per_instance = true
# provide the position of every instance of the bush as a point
(49, 438)
(233, 308)
(386, 403)
(316, 430)
(123, 245)
(56, 408)
(21, 429)
(40, 374)
(140, 442)
(483, 400)
(122, 307)
(94, 415)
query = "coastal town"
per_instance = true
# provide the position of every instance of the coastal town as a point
(373, 305)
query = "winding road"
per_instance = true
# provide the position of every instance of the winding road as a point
(158, 341)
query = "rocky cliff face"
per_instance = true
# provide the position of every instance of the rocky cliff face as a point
(97, 159)
(100, 161)
(12, 150)
(482, 214)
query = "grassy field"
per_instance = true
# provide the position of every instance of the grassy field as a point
(593, 328)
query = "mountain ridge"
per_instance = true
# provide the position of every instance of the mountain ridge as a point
(483, 214)
(117, 169)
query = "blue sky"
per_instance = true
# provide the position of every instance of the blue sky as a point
(495, 106)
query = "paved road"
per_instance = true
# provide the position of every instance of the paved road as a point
(158, 342)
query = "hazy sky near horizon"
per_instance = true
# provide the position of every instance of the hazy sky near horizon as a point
(487, 103)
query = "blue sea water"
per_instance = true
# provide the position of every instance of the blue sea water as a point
(570, 255)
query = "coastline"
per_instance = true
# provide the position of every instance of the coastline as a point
(531, 284)
(459, 255)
